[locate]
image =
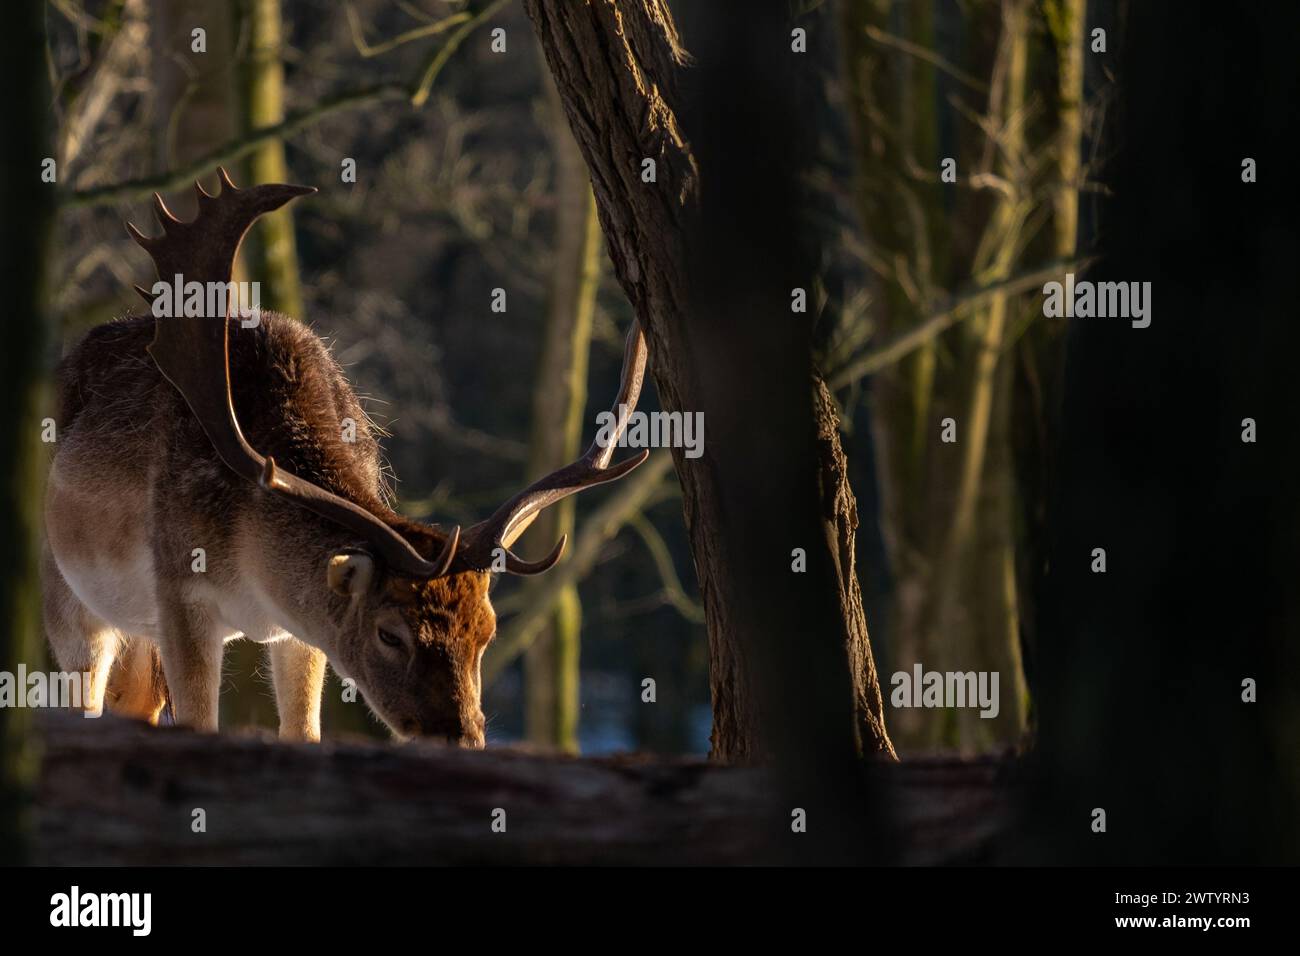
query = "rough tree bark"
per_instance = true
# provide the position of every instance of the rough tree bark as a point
(708, 263)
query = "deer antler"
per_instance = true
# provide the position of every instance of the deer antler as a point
(193, 353)
(512, 518)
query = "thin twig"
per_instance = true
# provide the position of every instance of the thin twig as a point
(914, 338)
(929, 56)
(439, 59)
(672, 585)
(238, 148)
(417, 33)
(231, 151)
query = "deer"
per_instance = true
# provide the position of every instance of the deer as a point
(225, 433)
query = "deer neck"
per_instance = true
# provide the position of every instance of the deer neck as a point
(289, 576)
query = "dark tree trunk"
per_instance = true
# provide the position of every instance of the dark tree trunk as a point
(1142, 667)
(26, 209)
(708, 255)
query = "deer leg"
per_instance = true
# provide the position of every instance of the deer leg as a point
(191, 657)
(82, 642)
(136, 687)
(298, 672)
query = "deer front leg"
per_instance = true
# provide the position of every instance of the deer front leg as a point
(191, 648)
(298, 672)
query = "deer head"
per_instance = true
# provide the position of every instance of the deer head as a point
(409, 609)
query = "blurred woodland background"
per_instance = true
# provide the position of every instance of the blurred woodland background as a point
(926, 311)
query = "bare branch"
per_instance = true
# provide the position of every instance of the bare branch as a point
(242, 146)
(439, 59)
(929, 56)
(418, 33)
(958, 309)
(693, 611)
(232, 151)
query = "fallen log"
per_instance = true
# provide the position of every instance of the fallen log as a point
(117, 792)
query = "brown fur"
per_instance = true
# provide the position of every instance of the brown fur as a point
(135, 474)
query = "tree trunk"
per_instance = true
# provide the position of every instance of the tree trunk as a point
(1065, 20)
(1168, 686)
(270, 249)
(193, 92)
(551, 670)
(710, 276)
(26, 213)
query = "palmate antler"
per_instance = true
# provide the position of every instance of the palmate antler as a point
(193, 353)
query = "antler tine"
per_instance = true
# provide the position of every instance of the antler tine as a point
(593, 468)
(164, 215)
(443, 563)
(193, 353)
(141, 240)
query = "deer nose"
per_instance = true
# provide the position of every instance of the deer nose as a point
(472, 734)
(469, 733)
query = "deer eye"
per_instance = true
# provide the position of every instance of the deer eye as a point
(389, 638)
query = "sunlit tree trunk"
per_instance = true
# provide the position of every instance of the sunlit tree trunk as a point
(270, 250)
(975, 593)
(1065, 20)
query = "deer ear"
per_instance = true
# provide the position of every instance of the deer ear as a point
(350, 572)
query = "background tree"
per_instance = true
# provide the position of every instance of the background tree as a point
(724, 342)
(935, 87)
(559, 400)
(271, 249)
(26, 213)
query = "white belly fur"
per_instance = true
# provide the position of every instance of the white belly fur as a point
(100, 547)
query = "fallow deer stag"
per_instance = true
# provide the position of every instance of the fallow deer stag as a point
(211, 432)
